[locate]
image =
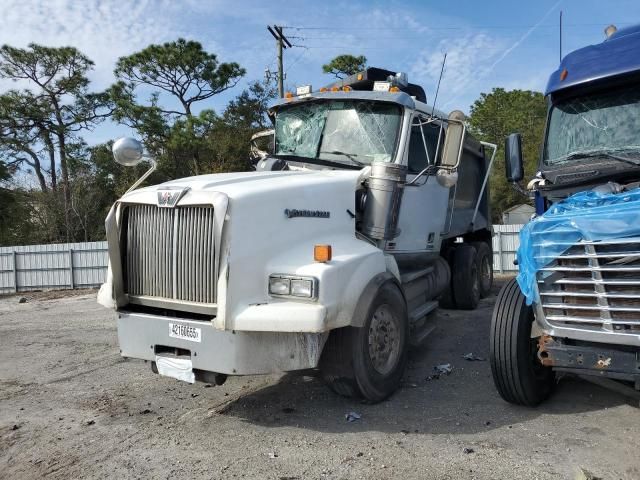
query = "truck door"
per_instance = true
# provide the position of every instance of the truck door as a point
(423, 212)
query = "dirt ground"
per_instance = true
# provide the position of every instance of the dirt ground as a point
(71, 407)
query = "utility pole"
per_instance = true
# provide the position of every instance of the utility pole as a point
(281, 43)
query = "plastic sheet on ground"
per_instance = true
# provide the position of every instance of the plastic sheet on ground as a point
(590, 216)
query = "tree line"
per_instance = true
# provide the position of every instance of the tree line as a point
(54, 187)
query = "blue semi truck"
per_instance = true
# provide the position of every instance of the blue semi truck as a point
(575, 305)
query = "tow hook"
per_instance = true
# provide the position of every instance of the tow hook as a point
(543, 354)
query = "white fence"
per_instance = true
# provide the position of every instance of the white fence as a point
(505, 243)
(84, 265)
(52, 267)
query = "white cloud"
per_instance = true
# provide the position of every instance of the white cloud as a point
(468, 58)
(102, 30)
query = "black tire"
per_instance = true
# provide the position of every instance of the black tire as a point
(465, 278)
(446, 298)
(484, 259)
(347, 364)
(518, 375)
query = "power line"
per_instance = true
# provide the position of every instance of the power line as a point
(468, 27)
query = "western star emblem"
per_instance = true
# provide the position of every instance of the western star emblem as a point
(292, 212)
(169, 197)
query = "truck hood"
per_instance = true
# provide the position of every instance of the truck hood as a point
(249, 184)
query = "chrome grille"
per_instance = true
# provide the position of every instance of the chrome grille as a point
(169, 253)
(594, 286)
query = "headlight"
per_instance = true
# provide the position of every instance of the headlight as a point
(279, 286)
(302, 288)
(293, 286)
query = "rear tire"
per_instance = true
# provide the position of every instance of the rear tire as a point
(368, 362)
(518, 375)
(465, 278)
(446, 298)
(484, 259)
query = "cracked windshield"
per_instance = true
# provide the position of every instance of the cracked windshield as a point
(593, 125)
(349, 132)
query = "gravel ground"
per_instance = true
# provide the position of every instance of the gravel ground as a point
(71, 407)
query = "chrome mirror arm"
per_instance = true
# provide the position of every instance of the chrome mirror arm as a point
(152, 169)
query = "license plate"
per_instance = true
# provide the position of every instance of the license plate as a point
(185, 332)
(178, 368)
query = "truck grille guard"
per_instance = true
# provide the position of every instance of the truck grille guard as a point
(593, 286)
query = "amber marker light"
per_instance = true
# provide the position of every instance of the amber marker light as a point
(346, 88)
(335, 89)
(322, 253)
(288, 95)
(394, 89)
(563, 74)
(360, 76)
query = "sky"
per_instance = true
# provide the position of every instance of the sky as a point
(489, 43)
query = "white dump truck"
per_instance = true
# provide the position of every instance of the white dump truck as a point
(372, 208)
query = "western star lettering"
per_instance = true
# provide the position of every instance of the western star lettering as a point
(292, 212)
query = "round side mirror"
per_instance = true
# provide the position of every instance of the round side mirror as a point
(446, 178)
(127, 151)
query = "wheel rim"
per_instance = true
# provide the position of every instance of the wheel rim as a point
(485, 273)
(384, 340)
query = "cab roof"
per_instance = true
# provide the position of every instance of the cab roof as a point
(616, 56)
(401, 98)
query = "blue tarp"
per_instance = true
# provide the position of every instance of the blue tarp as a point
(589, 216)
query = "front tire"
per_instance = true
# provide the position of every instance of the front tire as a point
(518, 375)
(368, 362)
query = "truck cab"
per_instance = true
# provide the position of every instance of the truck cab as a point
(575, 305)
(370, 207)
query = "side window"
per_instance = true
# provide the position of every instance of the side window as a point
(424, 132)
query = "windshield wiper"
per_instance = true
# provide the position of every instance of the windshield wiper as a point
(602, 153)
(350, 156)
(316, 161)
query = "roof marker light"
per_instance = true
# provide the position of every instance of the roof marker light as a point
(563, 74)
(346, 88)
(394, 89)
(335, 89)
(610, 30)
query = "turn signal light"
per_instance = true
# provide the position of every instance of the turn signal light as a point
(324, 89)
(322, 253)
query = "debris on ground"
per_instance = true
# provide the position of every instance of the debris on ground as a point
(288, 410)
(272, 455)
(90, 422)
(468, 450)
(145, 411)
(439, 370)
(470, 357)
(352, 416)
(22, 300)
(584, 474)
(15, 427)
